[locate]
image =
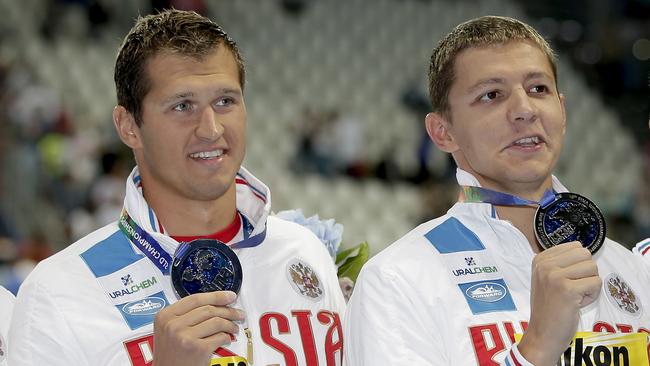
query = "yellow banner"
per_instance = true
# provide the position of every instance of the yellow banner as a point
(605, 349)
(229, 361)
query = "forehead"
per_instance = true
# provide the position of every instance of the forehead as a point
(502, 61)
(165, 69)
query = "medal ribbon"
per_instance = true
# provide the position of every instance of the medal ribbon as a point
(159, 257)
(484, 195)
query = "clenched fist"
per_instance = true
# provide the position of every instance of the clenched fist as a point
(564, 279)
(187, 332)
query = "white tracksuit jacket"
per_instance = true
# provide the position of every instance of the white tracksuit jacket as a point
(6, 309)
(94, 302)
(455, 290)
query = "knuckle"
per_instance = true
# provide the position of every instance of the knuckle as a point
(218, 323)
(223, 338)
(186, 342)
(585, 253)
(193, 301)
(233, 313)
(172, 327)
(598, 282)
(208, 311)
(160, 317)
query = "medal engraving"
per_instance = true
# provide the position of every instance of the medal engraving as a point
(204, 266)
(570, 217)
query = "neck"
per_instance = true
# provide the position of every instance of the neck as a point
(184, 217)
(522, 217)
(531, 191)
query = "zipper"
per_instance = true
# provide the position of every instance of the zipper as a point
(249, 345)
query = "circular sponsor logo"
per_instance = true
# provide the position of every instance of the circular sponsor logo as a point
(621, 295)
(304, 280)
(147, 306)
(487, 292)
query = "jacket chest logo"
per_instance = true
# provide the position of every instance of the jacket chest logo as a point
(304, 280)
(620, 293)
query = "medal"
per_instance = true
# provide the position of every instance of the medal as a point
(560, 217)
(205, 265)
(570, 217)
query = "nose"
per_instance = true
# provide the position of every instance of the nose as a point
(521, 109)
(209, 128)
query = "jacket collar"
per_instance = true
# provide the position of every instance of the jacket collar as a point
(253, 201)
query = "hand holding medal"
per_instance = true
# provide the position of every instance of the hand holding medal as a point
(207, 275)
(564, 277)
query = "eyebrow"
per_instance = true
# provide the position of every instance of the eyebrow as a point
(184, 95)
(490, 81)
(483, 82)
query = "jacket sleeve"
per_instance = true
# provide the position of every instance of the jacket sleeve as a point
(514, 358)
(386, 323)
(39, 333)
(642, 250)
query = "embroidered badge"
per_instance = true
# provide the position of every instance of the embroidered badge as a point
(304, 280)
(621, 294)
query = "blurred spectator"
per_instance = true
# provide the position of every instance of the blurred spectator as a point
(347, 144)
(108, 192)
(416, 101)
(31, 251)
(293, 7)
(310, 157)
(92, 13)
(330, 143)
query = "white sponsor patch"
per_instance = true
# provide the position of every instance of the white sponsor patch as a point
(132, 283)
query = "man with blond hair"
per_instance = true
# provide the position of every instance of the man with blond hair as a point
(518, 265)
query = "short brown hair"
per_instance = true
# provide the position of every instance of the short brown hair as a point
(173, 31)
(478, 32)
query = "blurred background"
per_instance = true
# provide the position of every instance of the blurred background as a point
(336, 96)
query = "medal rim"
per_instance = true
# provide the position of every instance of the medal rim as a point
(198, 244)
(540, 214)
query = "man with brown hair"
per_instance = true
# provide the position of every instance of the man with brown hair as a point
(195, 271)
(489, 283)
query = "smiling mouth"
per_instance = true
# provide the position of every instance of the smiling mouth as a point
(531, 141)
(207, 155)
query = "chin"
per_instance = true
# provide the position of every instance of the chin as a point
(531, 176)
(209, 192)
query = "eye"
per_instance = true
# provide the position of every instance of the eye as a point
(491, 95)
(182, 107)
(539, 89)
(224, 102)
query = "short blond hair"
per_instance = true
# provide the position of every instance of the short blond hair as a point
(478, 32)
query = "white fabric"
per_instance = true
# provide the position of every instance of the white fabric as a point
(66, 316)
(642, 248)
(6, 308)
(408, 307)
